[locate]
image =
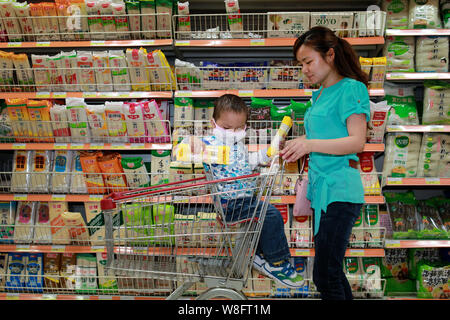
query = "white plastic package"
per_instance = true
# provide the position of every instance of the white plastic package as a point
(24, 224)
(424, 14)
(21, 168)
(115, 121)
(41, 72)
(97, 122)
(78, 179)
(42, 229)
(378, 120)
(61, 171)
(96, 29)
(399, 52)
(136, 59)
(434, 150)
(41, 161)
(432, 54)
(134, 119)
(78, 121)
(119, 70)
(103, 75)
(402, 154)
(436, 106)
(85, 71)
(397, 13)
(60, 123)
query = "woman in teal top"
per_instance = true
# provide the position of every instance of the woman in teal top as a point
(335, 127)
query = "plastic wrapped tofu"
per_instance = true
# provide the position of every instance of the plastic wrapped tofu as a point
(61, 171)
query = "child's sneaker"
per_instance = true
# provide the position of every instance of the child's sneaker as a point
(284, 274)
(258, 263)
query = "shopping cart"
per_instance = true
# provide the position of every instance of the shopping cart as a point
(189, 232)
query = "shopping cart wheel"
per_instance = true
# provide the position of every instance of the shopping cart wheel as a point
(214, 293)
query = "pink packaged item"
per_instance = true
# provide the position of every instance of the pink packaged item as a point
(134, 119)
(302, 206)
(155, 128)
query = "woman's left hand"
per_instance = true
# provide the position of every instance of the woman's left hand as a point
(295, 149)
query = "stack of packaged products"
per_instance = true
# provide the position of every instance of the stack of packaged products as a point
(103, 71)
(76, 121)
(97, 20)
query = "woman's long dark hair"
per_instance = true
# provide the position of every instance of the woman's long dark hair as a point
(321, 39)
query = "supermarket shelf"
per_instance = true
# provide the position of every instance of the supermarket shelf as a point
(417, 32)
(419, 128)
(267, 42)
(85, 146)
(418, 76)
(37, 296)
(258, 93)
(309, 252)
(85, 44)
(391, 244)
(87, 95)
(368, 147)
(392, 181)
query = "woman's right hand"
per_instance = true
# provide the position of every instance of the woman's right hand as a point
(295, 149)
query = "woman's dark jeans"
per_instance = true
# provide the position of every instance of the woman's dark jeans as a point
(330, 245)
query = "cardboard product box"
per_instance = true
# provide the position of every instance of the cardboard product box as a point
(287, 24)
(340, 22)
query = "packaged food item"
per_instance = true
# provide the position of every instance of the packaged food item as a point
(261, 285)
(157, 128)
(3, 34)
(402, 101)
(78, 179)
(97, 122)
(378, 120)
(433, 281)
(67, 272)
(402, 154)
(378, 73)
(286, 125)
(78, 26)
(42, 230)
(434, 151)
(134, 18)
(95, 24)
(134, 120)
(20, 178)
(119, 70)
(57, 75)
(23, 72)
(431, 224)
(111, 166)
(64, 21)
(180, 171)
(371, 271)
(59, 123)
(138, 223)
(41, 161)
(252, 75)
(161, 74)
(49, 11)
(234, 18)
(357, 235)
(41, 72)
(183, 112)
(160, 165)
(121, 20)
(24, 225)
(60, 232)
(163, 18)
(402, 211)
(399, 52)
(7, 218)
(39, 113)
(366, 65)
(109, 24)
(69, 64)
(103, 75)
(11, 23)
(106, 280)
(136, 59)
(22, 11)
(3, 268)
(52, 264)
(163, 218)
(369, 176)
(396, 13)
(6, 73)
(18, 114)
(436, 103)
(184, 21)
(61, 171)
(372, 226)
(432, 54)
(184, 230)
(78, 121)
(260, 110)
(77, 228)
(85, 71)
(86, 274)
(135, 172)
(95, 223)
(339, 22)
(424, 14)
(35, 272)
(94, 179)
(287, 24)
(16, 272)
(115, 121)
(354, 274)
(301, 233)
(148, 18)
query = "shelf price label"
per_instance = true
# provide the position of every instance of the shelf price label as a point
(41, 95)
(97, 249)
(395, 180)
(183, 43)
(20, 197)
(275, 200)
(302, 252)
(432, 181)
(356, 252)
(98, 42)
(58, 197)
(148, 42)
(43, 44)
(77, 146)
(245, 93)
(393, 244)
(59, 95)
(59, 146)
(184, 93)
(257, 42)
(14, 44)
(97, 146)
(18, 146)
(58, 248)
(95, 197)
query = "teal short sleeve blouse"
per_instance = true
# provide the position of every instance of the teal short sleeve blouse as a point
(330, 177)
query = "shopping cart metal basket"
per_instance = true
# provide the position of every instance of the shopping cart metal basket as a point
(190, 231)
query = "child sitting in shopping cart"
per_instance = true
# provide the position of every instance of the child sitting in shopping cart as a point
(229, 128)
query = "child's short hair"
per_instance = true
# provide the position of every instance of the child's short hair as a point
(229, 102)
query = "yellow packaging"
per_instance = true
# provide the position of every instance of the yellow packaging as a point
(49, 10)
(378, 73)
(24, 73)
(207, 227)
(286, 125)
(161, 74)
(60, 232)
(7, 74)
(77, 228)
(183, 228)
(366, 65)
(18, 114)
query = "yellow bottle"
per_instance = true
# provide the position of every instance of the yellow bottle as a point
(282, 131)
